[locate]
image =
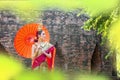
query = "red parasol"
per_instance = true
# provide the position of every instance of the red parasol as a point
(25, 38)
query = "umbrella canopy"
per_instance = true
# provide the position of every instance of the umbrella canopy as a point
(25, 38)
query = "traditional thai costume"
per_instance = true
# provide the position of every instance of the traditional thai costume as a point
(41, 60)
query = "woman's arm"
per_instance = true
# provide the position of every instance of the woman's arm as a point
(34, 51)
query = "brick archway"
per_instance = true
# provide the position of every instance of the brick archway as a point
(96, 61)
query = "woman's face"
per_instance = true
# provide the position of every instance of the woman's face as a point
(42, 35)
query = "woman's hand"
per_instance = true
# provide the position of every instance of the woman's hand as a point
(48, 55)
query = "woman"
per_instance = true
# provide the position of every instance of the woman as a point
(43, 53)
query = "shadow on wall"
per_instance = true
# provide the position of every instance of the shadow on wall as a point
(3, 50)
(96, 61)
(59, 56)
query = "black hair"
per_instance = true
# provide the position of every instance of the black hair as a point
(35, 40)
(39, 32)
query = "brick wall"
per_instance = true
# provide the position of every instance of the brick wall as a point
(75, 46)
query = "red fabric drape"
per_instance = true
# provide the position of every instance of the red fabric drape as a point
(50, 61)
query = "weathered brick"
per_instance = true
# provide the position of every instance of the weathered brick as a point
(75, 46)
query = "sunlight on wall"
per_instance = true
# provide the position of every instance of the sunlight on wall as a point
(29, 10)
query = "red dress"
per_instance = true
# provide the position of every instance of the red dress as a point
(42, 58)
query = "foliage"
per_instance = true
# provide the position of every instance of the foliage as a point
(107, 25)
(102, 22)
(11, 69)
(29, 10)
(114, 42)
